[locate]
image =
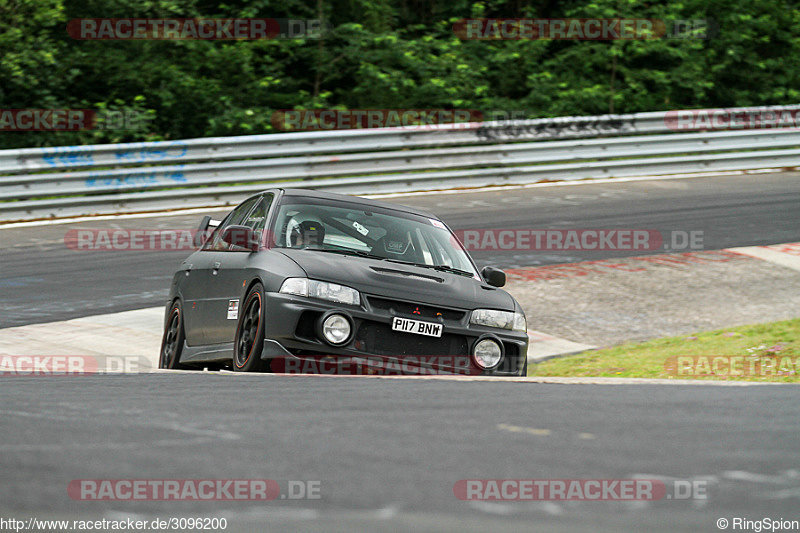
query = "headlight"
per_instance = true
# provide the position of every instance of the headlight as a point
(499, 319)
(321, 289)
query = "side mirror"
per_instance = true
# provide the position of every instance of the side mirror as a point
(241, 236)
(494, 276)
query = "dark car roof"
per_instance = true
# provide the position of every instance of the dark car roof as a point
(309, 193)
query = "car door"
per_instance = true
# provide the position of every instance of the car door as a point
(193, 283)
(231, 273)
(205, 273)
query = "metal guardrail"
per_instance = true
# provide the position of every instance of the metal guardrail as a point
(79, 180)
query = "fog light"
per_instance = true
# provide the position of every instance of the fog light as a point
(336, 329)
(487, 353)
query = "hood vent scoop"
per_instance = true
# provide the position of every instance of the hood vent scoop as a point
(382, 270)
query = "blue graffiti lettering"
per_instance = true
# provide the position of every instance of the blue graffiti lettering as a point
(139, 152)
(70, 156)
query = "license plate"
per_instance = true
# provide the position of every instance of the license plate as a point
(406, 325)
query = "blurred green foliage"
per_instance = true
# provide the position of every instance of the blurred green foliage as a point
(385, 54)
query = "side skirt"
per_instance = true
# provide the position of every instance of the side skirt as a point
(214, 353)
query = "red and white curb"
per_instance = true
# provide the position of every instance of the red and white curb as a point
(130, 333)
(785, 255)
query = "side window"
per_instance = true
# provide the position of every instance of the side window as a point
(257, 219)
(236, 218)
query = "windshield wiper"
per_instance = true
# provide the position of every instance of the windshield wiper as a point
(358, 253)
(445, 268)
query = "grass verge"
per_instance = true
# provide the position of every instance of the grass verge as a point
(760, 352)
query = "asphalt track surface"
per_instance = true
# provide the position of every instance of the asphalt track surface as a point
(387, 452)
(41, 280)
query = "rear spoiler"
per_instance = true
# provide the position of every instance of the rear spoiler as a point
(205, 229)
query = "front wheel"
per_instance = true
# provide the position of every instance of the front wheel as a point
(173, 339)
(249, 339)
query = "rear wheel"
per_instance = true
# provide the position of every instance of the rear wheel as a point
(173, 339)
(249, 339)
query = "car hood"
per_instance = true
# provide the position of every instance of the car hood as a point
(398, 281)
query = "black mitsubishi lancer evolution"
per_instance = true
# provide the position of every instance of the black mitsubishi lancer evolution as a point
(293, 276)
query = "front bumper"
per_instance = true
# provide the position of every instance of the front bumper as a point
(291, 334)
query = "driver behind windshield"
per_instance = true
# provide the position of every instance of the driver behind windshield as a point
(307, 233)
(338, 227)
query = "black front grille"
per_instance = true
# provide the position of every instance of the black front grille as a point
(380, 339)
(413, 310)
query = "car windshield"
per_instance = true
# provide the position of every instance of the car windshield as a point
(355, 229)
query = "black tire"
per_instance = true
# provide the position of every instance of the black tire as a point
(249, 340)
(173, 339)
